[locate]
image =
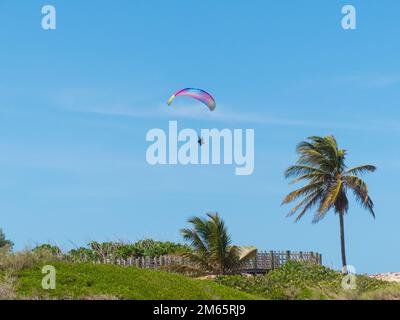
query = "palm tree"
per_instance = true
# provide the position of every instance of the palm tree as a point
(322, 164)
(213, 251)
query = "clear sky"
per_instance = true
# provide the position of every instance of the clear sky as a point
(76, 104)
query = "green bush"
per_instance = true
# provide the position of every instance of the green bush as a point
(151, 247)
(54, 250)
(300, 280)
(116, 250)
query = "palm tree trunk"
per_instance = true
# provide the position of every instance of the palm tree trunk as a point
(342, 243)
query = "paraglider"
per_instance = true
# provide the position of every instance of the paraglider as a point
(197, 94)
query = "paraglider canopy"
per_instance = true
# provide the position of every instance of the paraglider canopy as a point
(197, 94)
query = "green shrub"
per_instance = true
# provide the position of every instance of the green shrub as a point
(96, 251)
(80, 254)
(301, 280)
(121, 250)
(54, 250)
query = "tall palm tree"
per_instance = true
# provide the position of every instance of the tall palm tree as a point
(322, 165)
(213, 251)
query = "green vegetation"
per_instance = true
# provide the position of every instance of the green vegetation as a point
(88, 281)
(213, 251)
(54, 250)
(98, 251)
(21, 277)
(322, 164)
(303, 280)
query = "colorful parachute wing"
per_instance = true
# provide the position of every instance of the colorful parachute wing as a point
(197, 94)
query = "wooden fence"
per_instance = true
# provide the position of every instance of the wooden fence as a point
(270, 260)
(263, 262)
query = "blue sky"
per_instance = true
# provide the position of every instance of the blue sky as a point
(76, 103)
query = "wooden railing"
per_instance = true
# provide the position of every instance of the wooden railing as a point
(269, 260)
(263, 262)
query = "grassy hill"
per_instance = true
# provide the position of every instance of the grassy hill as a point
(88, 281)
(21, 277)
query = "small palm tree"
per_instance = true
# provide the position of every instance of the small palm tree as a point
(213, 251)
(322, 164)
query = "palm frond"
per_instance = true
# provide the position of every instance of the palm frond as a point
(244, 253)
(299, 170)
(360, 191)
(311, 203)
(195, 239)
(360, 170)
(303, 202)
(330, 197)
(303, 191)
(313, 177)
(200, 261)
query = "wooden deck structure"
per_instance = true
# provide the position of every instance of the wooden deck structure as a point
(263, 262)
(270, 260)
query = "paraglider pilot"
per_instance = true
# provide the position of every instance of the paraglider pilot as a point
(200, 141)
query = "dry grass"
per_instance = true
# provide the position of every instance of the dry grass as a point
(7, 287)
(13, 262)
(390, 293)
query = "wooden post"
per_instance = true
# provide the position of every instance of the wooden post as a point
(272, 259)
(287, 255)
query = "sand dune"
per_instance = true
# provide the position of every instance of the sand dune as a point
(390, 276)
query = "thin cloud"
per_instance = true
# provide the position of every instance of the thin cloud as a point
(106, 105)
(195, 112)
